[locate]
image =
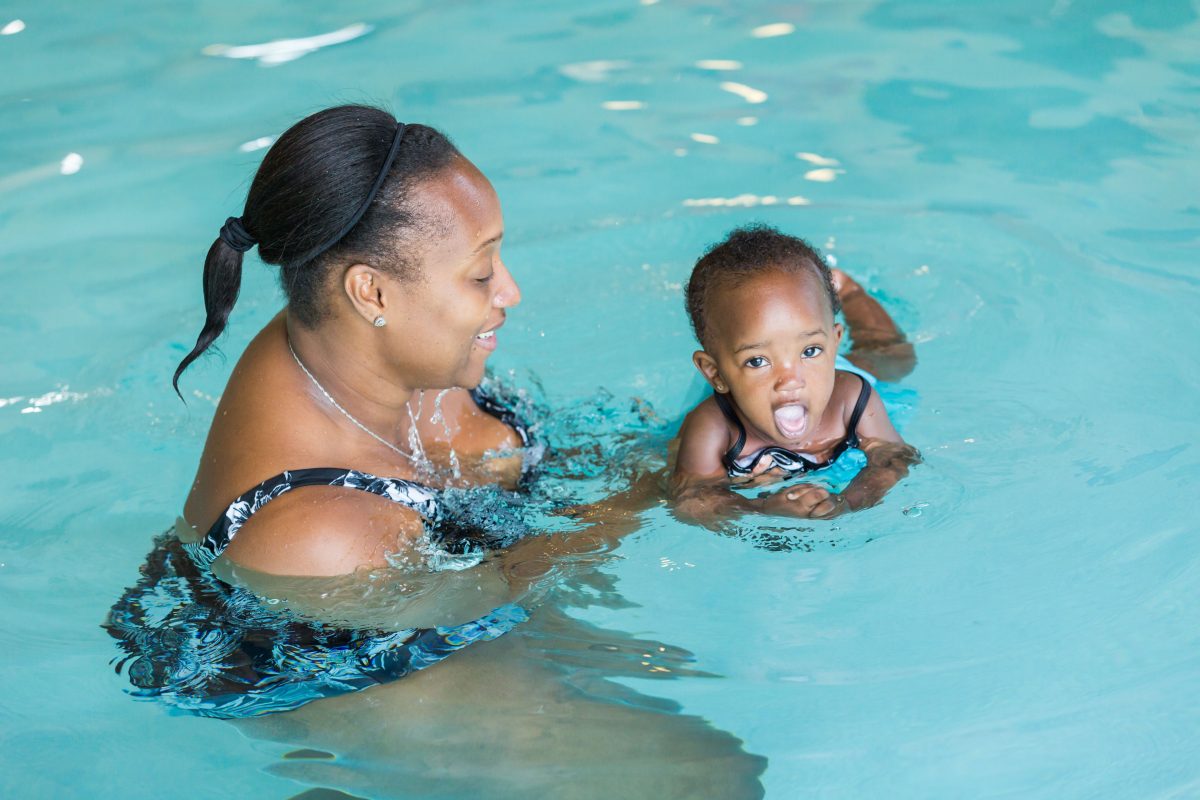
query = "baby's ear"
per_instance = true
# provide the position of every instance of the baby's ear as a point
(838, 330)
(708, 368)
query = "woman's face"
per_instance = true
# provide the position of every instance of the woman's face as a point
(444, 322)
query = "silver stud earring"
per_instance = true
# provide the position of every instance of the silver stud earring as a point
(380, 321)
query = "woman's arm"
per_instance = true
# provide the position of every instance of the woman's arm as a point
(354, 558)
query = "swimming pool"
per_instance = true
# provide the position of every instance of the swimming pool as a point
(1019, 618)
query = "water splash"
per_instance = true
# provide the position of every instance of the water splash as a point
(415, 446)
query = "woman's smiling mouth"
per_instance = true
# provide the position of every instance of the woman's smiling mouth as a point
(487, 339)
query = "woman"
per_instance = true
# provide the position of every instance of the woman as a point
(388, 241)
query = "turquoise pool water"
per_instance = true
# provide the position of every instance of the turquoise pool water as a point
(1016, 180)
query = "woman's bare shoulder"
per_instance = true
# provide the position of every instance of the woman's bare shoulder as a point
(265, 423)
(324, 530)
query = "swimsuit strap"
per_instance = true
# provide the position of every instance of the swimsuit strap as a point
(418, 497)
(495, 408)
(729, 459)
(864, 395)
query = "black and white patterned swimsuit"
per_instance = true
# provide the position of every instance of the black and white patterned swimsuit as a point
(789, 462)
(208, 648)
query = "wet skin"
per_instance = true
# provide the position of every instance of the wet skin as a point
(504, 699)
(771, 346)
(272, 418)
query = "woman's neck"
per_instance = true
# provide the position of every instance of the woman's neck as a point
(340, 363)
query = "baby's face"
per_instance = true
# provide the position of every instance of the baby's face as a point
(773, 343)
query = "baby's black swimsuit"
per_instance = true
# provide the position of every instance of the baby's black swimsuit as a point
(789, 462)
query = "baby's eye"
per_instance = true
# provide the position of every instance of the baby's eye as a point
(756, 362)
(812, 351)
(486, 278)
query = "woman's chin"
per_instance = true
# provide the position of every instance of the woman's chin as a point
(470, 377)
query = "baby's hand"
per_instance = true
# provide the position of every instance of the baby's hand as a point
(806, 500)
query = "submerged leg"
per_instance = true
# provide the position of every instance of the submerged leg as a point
(531, 714)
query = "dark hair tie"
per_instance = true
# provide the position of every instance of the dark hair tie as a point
(370, 198)
(234, 234)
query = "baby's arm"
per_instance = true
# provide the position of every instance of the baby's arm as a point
(877, 343)
(699, 484)
(888, 458)
(700, 487)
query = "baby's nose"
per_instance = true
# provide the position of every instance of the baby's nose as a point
(791, 376)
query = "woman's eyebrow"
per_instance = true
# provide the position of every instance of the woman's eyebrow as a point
(486, 244)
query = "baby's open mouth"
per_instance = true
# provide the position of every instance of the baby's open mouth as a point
(791, 420)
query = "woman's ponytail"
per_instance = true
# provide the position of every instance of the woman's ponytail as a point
(335, 185)
(222, 281)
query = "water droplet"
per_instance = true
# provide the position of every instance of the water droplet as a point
(915, 509)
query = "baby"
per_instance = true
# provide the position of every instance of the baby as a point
(763, 305)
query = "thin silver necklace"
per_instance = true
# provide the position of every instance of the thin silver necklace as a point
(346, 413)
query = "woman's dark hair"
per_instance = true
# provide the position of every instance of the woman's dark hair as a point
(308, 188)
(748, 251)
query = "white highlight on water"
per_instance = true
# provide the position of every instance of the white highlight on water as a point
(719, 64)
(63, 394)
(747, 93)
(71, 163)
(16, 26)
(593, 71)
(705, 138)
(818, 160)
(823, 175)
(773, 30)
(281, 51)
(622, 105)
(745, 201)
(260, 143)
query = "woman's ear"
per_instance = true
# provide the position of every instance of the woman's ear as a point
(364, 288)
(708, 368)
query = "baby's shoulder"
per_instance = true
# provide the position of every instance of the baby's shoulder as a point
(847, 387)
(703, 437)
(705, 416)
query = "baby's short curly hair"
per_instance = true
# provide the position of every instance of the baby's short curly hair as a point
(748, 251)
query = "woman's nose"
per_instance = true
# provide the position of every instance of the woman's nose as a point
(508, 294)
